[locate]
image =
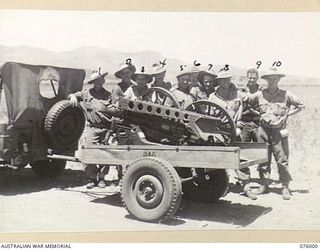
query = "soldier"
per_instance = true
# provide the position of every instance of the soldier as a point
(94, 101)
(141, 79)
(275, 106)
(196, 88)
(250, 114)
(159, 74)
(228, 96)
(124, 73)
(207, 83)
(182, 91)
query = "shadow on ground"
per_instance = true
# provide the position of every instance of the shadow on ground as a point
(274, 187)
(22, 181)
(222, 211)
(113, 200)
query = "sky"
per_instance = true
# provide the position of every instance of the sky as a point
(237, 39)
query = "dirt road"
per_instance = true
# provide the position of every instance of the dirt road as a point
(29, 204)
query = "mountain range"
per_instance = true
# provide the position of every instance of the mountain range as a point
(91, 58)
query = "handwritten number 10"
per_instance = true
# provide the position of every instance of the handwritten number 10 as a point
(277, 63)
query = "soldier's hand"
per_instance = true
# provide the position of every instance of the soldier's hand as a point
(240, 124)
(74, 101)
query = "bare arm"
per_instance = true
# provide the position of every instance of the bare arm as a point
(296, 105)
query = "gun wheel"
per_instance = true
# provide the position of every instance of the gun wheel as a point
(151, 189)
(160, 96)
(225, 130)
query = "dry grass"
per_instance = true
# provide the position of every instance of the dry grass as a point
(304, 139)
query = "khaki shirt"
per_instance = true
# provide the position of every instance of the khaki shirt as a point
(119, 90)
(95, 104)
(250, 112)
(133, 93)
(274, 107)
(165, 85)
(233, 103)
(183, 99)
(198, 94)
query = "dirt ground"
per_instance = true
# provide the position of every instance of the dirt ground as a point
(31, 204)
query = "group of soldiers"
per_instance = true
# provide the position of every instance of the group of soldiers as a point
(260, 114)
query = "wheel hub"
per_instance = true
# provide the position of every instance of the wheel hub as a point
(148, 191)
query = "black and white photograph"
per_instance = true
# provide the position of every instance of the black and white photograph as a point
(159, 121)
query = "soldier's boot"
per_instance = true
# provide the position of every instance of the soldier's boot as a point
(102, 184)
(264, 175)
(92, 184)
(286, 194)
(248, 192)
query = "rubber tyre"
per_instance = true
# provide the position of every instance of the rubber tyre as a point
(64, 125)
(166, 181)
(48, 168)
(207, 191)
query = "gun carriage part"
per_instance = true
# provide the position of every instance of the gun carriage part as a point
(212, 109)
(173, 126)
(160, 96)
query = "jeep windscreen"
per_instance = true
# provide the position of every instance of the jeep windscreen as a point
(4, 118)
(49, 82)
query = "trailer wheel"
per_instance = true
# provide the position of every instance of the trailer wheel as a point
(151, 189)
(48, 168)
(207, 187)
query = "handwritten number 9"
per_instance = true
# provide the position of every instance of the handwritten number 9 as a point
(258, 64)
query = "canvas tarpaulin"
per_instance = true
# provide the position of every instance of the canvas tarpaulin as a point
(32, 90)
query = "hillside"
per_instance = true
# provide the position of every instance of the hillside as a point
(90, 58)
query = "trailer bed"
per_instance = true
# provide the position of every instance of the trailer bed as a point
(236, 157)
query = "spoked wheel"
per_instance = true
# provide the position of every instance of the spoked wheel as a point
(151, 189)
(160, 96)
(225, 130)
(207, 186)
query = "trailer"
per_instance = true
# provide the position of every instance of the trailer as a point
(167, 153)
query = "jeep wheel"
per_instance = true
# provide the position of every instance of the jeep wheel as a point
(64, 124)
(151, 189)
(207, 187)
(48, 168)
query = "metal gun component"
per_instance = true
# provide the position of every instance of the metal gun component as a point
(160, 122)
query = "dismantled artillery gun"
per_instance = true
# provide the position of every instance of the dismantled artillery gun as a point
(167, 151)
